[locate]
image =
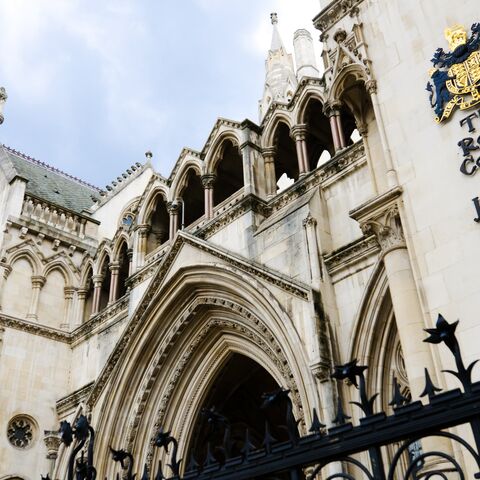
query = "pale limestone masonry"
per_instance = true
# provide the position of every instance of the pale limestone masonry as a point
(338, 227)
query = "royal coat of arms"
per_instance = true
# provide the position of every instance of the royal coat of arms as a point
(455, 76)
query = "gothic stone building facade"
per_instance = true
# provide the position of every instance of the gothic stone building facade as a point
(337, 227)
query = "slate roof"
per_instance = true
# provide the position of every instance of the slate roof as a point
(48, 183)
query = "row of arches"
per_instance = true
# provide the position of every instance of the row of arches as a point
(54, 297)
(289, 151)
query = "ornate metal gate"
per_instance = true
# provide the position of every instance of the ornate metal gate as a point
(330, 452)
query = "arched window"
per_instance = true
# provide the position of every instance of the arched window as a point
(123, 272)
(159, 222)
(319, 135)
(357, 111)
(286, 163)
(106, 281)
(51, 305)
(229, 173)
(88, 305)
(193, 198)
(18, 289)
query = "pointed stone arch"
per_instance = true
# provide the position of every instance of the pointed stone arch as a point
(192, 308)
(28, 255)
(216, 150)
(62, 267)
(268, 134)
(179, 182)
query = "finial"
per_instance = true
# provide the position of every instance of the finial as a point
(3, 99)
(148, 154)
(274, 18)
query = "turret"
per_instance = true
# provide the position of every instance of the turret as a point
(304, 54)
(280, 79)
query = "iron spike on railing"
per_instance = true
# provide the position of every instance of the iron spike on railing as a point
(145, 475)
(398, 399)
(227, 442)
(80, 432)
(120, 456)
(164, 439)
(445, 332)
(317, 426)
(192, 464)
(268, 439)
(351, 371)
(159, 475)
(430, 389)
(209, 459)
(341, 417)
(247, 447)
(276, 397)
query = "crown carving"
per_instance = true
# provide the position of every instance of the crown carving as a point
(456, 36)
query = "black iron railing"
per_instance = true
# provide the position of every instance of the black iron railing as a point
(305, 457)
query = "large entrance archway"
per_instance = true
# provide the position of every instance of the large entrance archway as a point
(234, 403)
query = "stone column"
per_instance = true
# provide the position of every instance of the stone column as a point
(97, 287)
(392, 180)
(299, 133)
(363, 131)
(4, 273)
(173, 208)
(52, 442)
(341, 133)
(37, 283)
(247, 149)
(130, 261)
(313, 252)
(81, 297)
(208, 182)
(330, 113)
(384, 221)
(114, 269)
(270, 181)
(68, 292)
(142, 232)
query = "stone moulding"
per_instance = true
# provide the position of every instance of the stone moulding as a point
(350, 254)
(334, 12)
(70, 402)
(34, 328)
(114, 310)
(84, 330)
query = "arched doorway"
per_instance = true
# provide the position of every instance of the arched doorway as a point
(236, 397)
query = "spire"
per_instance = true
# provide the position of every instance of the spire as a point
(277, 43)
(280, 79)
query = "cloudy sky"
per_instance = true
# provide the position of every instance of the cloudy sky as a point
(94, 84)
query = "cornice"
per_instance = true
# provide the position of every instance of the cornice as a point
(350, 254)
(84, 330)
(34, 328)
(376, 206)
(334, 12)
(70, 402)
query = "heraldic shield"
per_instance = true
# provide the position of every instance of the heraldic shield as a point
(455, 76)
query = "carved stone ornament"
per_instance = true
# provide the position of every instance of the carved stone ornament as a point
(20, 431)
(380, 217)
(387, 228)
(52, 442)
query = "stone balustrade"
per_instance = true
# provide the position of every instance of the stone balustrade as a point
(53, 216)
